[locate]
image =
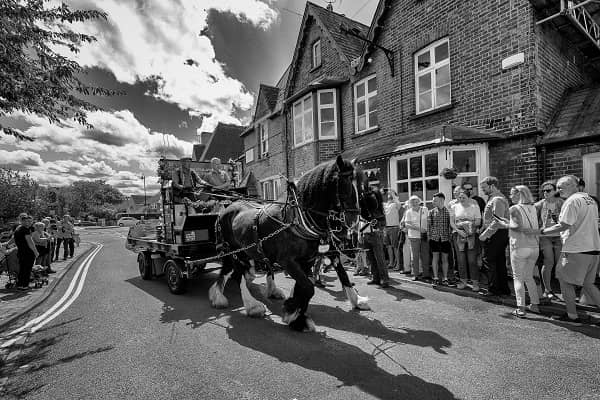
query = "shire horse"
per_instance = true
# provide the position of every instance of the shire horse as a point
(288, 234)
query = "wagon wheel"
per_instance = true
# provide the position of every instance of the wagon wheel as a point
(175, 279)
(145, 266)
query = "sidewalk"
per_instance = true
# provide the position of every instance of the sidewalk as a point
(554, 307)
(13, 303)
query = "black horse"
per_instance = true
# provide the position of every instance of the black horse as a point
(288, 233)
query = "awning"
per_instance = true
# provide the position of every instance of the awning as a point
(578, 117)
(440, 135)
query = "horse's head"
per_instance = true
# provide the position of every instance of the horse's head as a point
(370, 199)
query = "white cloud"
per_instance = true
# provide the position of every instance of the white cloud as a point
(19, 158)
(153, 40)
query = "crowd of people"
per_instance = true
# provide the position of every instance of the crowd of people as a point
(39, 243)
(454, 243)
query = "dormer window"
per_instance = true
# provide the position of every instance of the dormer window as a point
(316, 54)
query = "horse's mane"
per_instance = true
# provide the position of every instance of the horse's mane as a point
(318, 187)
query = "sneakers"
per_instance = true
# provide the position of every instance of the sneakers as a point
(435, 282)
(475, 287)
(461, 285)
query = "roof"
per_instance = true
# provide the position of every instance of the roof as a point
(432, 137)
(225, 142)
(266, 101)
(577, 117)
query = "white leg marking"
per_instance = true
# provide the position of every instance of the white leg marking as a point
(357, 301)
(215, 293)
(251, 274)
(254, 308)
(272, 290)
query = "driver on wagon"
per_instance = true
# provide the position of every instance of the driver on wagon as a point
(185, 180)
(216, 177)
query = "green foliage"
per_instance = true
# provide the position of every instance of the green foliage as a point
(34, 78)
(17, 194)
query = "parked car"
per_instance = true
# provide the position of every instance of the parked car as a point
(127, 221)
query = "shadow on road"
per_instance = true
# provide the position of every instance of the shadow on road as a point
(586, 329)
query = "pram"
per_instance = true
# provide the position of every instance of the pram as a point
(9, 264)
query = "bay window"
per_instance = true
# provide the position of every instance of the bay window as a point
(327, 113)
(303, 120)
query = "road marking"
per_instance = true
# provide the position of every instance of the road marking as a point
(38, 322)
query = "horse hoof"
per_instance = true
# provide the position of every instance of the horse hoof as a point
(277, 294)
(257, 311)
(310, 325)
(362, 304)
(217, 298)
(289, 318)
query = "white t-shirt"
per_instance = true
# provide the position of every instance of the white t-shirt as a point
(470, 212)
(392, 213)
(581, 212)
(411, 216)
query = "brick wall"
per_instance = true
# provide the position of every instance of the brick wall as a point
(566, 159)
(515, 162)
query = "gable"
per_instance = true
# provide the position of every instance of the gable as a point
(266, 101)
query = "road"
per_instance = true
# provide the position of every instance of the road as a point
(123, 337)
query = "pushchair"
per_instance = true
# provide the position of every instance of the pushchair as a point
(9, 264)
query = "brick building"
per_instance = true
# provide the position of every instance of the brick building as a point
(487, 88)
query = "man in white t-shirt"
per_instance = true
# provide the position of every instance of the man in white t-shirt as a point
(578, 227)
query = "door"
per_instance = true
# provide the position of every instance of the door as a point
(591, 173)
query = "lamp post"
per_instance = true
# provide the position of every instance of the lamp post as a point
(144, 179)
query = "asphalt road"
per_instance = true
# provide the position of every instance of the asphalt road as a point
(128, 338)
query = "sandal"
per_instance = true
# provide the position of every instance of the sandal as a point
(519, 313)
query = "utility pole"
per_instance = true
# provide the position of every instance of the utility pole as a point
(144, 179)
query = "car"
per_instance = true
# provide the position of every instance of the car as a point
(127, 221)
(77, 222)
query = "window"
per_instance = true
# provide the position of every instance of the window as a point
(271, 188)
(263, 140)
(365, 104)
(327, 114)
(418, 175)
(249, 155)
(465, 163)
(432, 76)
(303, 120)
(316, 54)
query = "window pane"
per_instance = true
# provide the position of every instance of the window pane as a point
(328, 129)
(297, 109)
(402, 190)
(373, 119)
(308, 126)
(298, 130)
(326, 97)
(432, 186)
(423, 61)
(425, 83)
(443, 95)
(362, 122)
(416, 168)
(441, 52)
(373, 104)
(360, 108)
(416, 189)
(431, 164)
(464, 160)
(308, 103)
(402, 169)
(442, 75)
(327, 114)
(425, 101)
(360, 90)
(372, 85)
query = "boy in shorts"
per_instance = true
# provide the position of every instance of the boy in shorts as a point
(438, 232)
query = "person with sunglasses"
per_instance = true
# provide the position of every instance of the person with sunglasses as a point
(548, 210)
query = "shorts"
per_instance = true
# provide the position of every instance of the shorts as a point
(577, 268)
(392, 235)
(438, 246)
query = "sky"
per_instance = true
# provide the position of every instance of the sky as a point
(184, 66)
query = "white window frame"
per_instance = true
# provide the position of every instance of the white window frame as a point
(422, 179)
(263, 140)
(250, 155)
(316, 54)
(430, 70)
(327, 106)
(589, 172)
(307, 135)
(368, 95)
(275, 183)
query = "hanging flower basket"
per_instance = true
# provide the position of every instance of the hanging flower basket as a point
(449, 173)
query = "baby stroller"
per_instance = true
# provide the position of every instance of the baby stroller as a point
(9, 264)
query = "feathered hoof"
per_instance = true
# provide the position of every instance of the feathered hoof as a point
(277, 293)
(217, 298)
(303, 324)
(362, 304)
(257, 310)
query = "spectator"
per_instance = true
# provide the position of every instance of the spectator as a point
(41, 242)
(468, 188)
(524, 247)
(65, 235)
(465, 219)
(495, 238)
(51, 244)
(548, 210)
(373, 242)
(455, 193)
(393, 210)
(581, 188)
(362, 267)
(415, 220)
(438, 233)
(405, 243)
(578, 265)
(26, 251)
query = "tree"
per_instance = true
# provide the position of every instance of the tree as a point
(34, 78)
(17, 194)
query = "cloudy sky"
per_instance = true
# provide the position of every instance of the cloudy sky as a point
(142, 49)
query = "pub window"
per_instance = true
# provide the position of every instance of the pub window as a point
(432, 76)
(365, 104)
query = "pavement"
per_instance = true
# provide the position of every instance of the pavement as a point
(14, 303)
